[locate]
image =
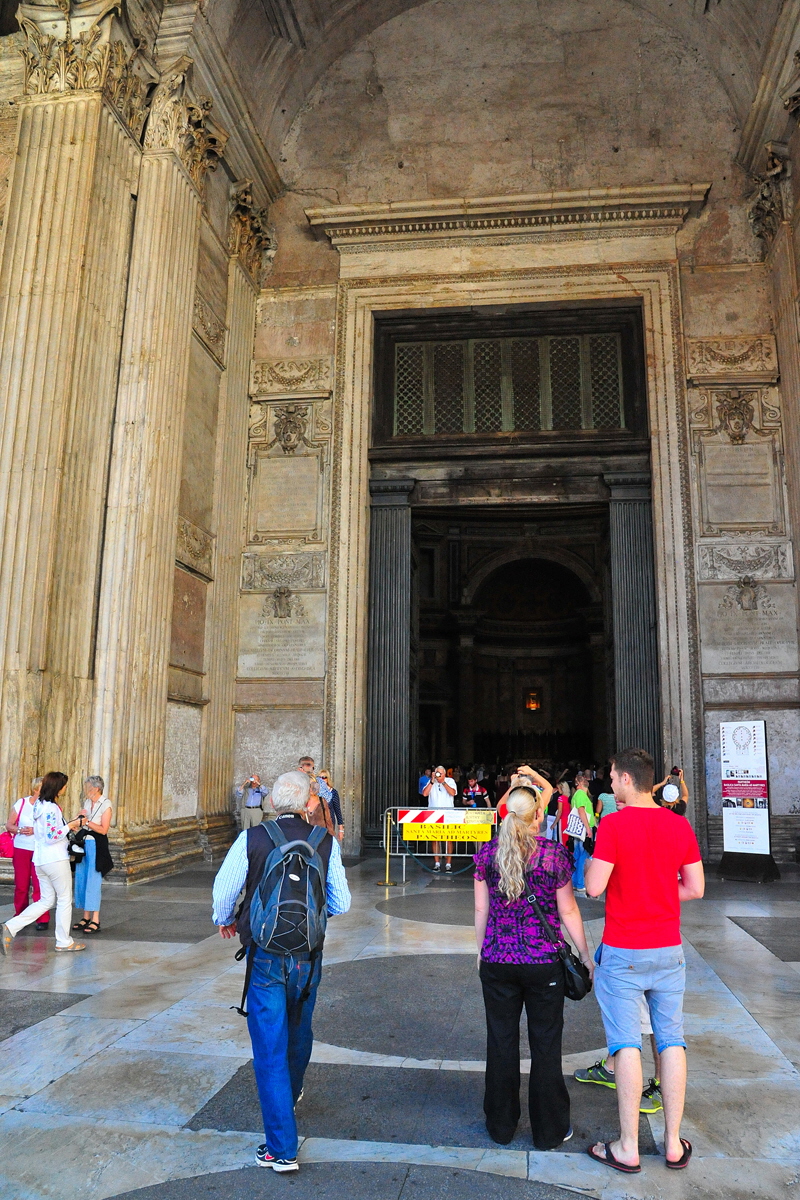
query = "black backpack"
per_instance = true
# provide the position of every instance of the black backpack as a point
(288, 909)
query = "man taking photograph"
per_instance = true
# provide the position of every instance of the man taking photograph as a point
(647, 861)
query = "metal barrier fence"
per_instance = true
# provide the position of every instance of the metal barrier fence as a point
(412, 832)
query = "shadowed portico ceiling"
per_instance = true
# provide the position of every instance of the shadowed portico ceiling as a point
(280, 48)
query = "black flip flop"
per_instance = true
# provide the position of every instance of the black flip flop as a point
(608, 1160)
(683, 1161)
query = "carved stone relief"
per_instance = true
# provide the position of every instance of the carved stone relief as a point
(74, 53)
(250, 235)
(772, 201)
(288, 457)
(738, 460)
(262, 572)
(282, 635)
(291, 376)
(195, 548)
(736, 560)
(180, 124)
(209, 328)
(732, 360)
(747, 628)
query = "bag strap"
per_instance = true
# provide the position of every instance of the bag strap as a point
(545, 924)
(238, 956)
(274, 832)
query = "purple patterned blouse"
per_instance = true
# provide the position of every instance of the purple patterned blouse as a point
(513, 932)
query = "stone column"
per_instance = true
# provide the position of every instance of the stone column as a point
(633, 602)
(136, 592)
(250, 244)
(466, 687)
(62, 282)
(387, 779)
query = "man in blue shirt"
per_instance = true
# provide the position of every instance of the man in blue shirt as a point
(424, 780)
(283, 987)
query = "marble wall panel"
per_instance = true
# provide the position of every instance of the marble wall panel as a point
(285, 496)
(748, 629)
(188, 621)
(199, 438)
(282, 635)
(181, 760)
(725, 300)
(783, 737)
(296, 323)
(272, 741)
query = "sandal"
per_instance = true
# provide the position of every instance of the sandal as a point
(683, 1161)
(81, 924)
(608, 1160)
(92, 927)
(74, 946)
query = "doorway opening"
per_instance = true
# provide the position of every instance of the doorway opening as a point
(512, 603)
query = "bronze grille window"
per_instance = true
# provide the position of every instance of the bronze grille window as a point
(502, 385)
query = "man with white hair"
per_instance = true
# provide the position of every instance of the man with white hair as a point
(282, 987)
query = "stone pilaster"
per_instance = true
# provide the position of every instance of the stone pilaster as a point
(62, 282)
(387, 765)
(136, 592)
(466, 687)
(636, 676)
(250, 245)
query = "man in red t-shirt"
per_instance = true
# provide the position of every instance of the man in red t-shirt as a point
(647, 861)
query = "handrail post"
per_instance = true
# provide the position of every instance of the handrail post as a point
(387, 825)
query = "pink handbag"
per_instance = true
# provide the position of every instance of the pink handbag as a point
(6, 844)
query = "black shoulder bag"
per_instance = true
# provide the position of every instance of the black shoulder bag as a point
(577, 980)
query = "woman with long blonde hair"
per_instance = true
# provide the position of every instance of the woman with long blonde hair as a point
(520, 966)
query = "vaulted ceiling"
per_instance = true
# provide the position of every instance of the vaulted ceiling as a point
(281, 48)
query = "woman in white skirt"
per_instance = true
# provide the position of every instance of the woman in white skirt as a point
(51, 859)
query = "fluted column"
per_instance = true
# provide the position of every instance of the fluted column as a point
(62, 286)
(136, 592)
(466, 687)
(636, 677)
(250, 245)
(387, 763)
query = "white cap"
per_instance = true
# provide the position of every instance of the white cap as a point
(670, 793)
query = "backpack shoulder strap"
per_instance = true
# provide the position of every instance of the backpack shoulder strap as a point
(274, 832)
(317, 835)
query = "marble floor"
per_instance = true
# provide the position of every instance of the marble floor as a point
(125, 1072)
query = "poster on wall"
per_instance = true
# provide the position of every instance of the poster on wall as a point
(745, 788)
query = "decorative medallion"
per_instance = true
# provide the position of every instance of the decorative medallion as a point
(194, 548)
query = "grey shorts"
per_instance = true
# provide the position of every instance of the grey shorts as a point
(624, 978)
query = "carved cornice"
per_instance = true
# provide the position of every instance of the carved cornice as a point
(767, 116)
(732, 359)
(181, 124)
(209, 328)
(250, 235)
(666, 205)
(73, 48)
(291, 377)
(194, 548)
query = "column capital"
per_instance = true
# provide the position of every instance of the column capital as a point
(628, 485)
(251, 238)
(182, 124)
(391, 493)
(88, 47)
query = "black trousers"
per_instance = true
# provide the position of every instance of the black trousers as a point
(540, 987)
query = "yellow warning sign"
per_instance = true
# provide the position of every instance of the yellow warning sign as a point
(418, 831)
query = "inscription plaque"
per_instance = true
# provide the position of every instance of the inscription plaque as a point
(282, 636)
(748, 631)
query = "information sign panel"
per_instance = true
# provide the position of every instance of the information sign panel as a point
(745, 787)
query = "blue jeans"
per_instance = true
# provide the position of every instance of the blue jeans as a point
(282, 1039)
(581, 858)
(623, 977)
(88, 880)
